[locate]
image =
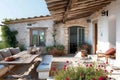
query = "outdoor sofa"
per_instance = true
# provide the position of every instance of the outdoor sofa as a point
(6, 53)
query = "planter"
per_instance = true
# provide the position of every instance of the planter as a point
(83, 53)
(56, 52)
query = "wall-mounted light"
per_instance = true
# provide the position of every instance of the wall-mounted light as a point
(88, 20)
(104, 13)
(31, 23)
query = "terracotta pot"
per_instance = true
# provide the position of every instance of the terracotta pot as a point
(56, 52)
(83, 53)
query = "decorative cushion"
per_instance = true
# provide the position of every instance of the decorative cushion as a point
(14, 50)
(110, 51)
(6, 53)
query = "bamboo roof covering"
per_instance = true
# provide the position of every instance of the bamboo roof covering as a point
(65, 10)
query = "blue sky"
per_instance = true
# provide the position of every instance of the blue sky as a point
(22, 8)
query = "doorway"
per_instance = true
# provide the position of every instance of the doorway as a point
(76, 37)
(95, 38)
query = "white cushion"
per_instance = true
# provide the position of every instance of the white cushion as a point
(47, 59)
(45, 65)
(78, 54)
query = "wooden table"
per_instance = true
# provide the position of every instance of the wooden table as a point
(21, 58)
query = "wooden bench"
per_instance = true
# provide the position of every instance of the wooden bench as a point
(44, 67)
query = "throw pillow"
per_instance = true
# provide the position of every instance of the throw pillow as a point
(110, 51)
(14, 50)
(6, 53)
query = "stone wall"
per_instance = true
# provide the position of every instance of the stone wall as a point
(62, 36)
(23, 29)
(63, 31)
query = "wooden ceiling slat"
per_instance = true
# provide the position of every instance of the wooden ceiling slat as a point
(79, 16)
(51, 1)
(67, 10)
(57, 11)
(57, 7)
(57, 4)
(90, 4)
(86, 1)
(88, 8)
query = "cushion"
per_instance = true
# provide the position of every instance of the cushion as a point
(42, 67)
(14, 50)
(110, 51)
(6, 53)
(1, 58)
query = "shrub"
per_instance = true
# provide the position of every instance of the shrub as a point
(9, 37)
(1, 45)
(22, 47)
(60, 47)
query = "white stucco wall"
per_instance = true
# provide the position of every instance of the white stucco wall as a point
(109, 29)
(103, 39)
(23, 29)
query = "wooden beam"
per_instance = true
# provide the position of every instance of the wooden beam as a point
(69, 6)
(57, 4)
(87, 9)
(79, 16)
(89, 5)
(67, 10)
(57, 7)
(87, 1)
(51, 1)
(57, 11)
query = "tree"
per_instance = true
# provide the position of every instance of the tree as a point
(9, 37)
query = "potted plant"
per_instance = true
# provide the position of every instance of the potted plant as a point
(85, 49)
(55, 49)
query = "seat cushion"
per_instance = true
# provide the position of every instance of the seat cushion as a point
(14, 50)
(6, 53)
(43, 67)
(47, 59)
(110, 51)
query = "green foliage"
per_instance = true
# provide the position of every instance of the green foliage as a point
(81, 72)
(54, 36)
(60, 47)
(9, 37)
(22, 47)
(1, 45)
(48, 48)
(6, 19)
(55, 48)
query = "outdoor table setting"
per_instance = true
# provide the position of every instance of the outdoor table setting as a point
(18, 59)
(21, 58)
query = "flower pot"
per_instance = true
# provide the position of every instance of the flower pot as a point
(83, 53)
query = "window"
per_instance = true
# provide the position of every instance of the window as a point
(38, 37)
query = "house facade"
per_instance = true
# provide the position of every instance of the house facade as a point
(99, 30)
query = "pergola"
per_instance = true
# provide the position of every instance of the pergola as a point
(65, 10)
